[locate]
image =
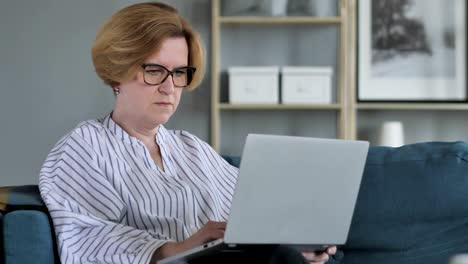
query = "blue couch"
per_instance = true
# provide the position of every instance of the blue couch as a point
(25, 227)
(412, 208)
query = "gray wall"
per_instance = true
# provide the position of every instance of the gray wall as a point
(48, 84)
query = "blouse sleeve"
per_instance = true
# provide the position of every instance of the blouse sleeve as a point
(87, 211)
(225, 171)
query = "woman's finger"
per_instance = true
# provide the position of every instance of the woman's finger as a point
(216, 225)
(315, 258)
(221, 225)
(331, 250)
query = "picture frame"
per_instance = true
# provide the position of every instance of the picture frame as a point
(412, 51)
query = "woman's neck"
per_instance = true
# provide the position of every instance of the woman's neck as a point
(145, 134)
(136, 129)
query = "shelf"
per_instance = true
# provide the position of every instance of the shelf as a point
(279, 20)
(413, 106)
(328, 35)
(226, 106)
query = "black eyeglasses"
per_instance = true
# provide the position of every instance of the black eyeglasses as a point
(154, 74)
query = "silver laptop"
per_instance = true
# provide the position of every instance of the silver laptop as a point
(297, 191)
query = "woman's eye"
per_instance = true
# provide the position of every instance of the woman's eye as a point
(154, 72)
(180, 72)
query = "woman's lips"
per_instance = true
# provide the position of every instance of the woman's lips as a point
(163, 103)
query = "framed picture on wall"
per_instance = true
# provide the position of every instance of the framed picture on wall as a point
(412, 50)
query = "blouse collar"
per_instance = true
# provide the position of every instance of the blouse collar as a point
(119, 132)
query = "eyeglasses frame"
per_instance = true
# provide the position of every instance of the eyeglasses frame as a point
(169, 72)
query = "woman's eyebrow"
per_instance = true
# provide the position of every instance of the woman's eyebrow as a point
(158, 64)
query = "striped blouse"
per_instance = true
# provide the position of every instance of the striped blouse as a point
(110, 203)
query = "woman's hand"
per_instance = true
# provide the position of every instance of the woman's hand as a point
(319, 257)
(209, 232)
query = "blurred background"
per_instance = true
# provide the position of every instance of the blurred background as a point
(48, 84)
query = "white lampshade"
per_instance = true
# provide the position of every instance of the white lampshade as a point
(391, 134)
(459, 259)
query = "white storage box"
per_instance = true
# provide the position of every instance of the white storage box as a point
(303, 85)
(253, 85)
(273, 7)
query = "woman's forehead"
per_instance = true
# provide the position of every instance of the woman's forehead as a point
(173, 52)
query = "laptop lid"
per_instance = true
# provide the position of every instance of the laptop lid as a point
(295, 190)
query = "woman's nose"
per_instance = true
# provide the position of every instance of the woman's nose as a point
(167, 86)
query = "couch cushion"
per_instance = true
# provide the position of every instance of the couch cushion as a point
(233, 160)
(28, 237)
(412, 205)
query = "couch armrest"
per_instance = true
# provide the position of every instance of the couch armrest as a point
(28, 237)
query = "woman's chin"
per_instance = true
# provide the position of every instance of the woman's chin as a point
(161, 120)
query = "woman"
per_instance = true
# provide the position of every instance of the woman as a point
(125, 189)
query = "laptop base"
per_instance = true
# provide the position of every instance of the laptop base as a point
(232, 253)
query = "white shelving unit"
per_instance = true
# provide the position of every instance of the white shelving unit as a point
(351, 116)
(218, 106)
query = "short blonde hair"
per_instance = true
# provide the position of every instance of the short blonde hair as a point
(134, 33)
